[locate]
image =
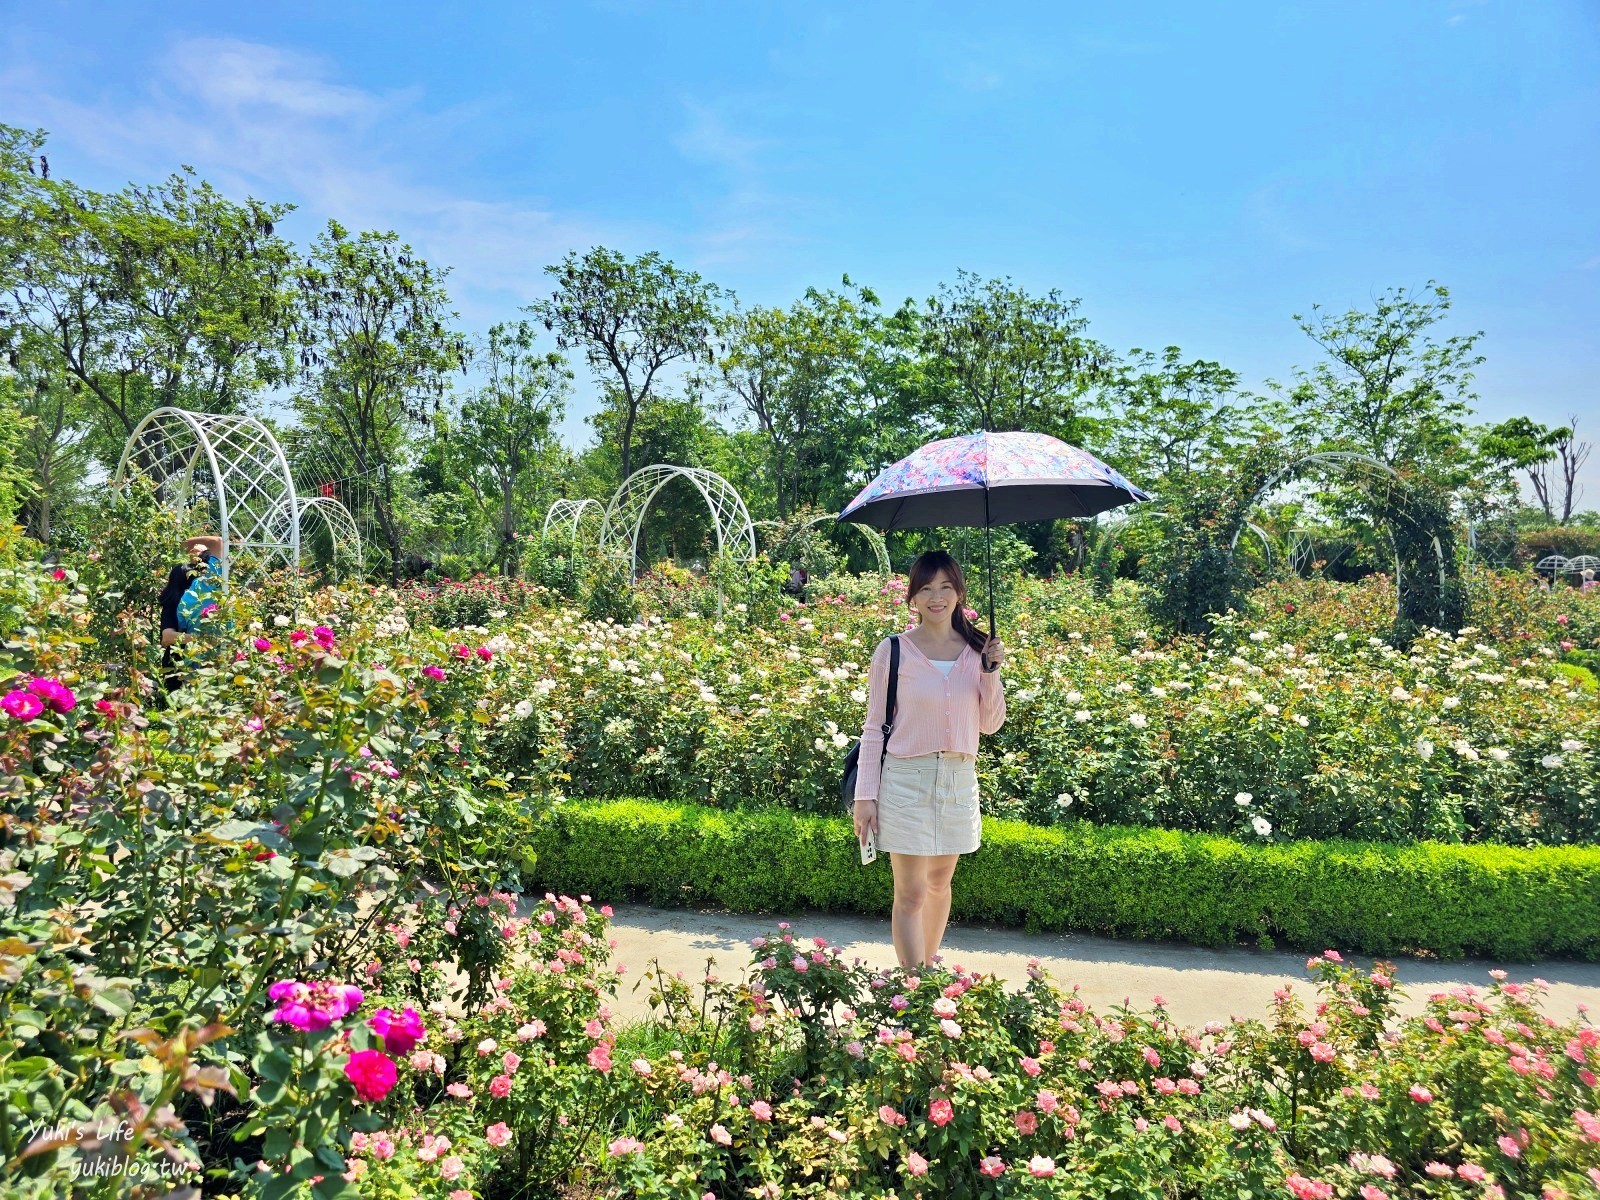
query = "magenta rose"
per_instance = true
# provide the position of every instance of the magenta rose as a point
(22, 706)
(400, 1031)
(371, 1072)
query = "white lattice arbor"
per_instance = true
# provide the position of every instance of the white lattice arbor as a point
(227, 473)
(323, 516)
(624, 516)
(1345, 464)
(573, 516)
(224, 470)
(880, 548)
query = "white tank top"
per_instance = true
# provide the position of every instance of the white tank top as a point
(944, 664)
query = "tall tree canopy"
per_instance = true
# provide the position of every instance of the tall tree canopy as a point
(164, 295)
(376, 348)
(632, 318)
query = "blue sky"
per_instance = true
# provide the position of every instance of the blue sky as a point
(1196, 173)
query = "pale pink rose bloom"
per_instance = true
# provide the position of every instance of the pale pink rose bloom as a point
(1041, 1167)
(721, 1136)
(916, 1164)
(498, 1134)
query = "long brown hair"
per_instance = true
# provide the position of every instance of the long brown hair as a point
(928, 565)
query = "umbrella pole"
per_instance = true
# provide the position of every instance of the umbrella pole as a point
(988, 562)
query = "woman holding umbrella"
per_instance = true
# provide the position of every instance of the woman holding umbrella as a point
(922, 802)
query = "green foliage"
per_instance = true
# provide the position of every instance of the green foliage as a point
(166, 294)
(610, 595)
(631, 318)
(1109, 880)
(375, 353)
(505, 433)
(1193, 573)
(1009, 360)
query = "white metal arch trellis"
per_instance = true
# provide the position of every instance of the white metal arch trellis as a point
(1343, 459)
(343, 536)
(880, 548)
(624, 516)
(572, 514)
(226, 465)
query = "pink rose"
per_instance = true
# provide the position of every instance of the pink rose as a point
(498, 1134)
(1041, 1167)
(941, 1112)
(721, 1136)
(371, 1072)
(916, 1164)
(450, 1169)
(1309, 1189)
(761, 1110)
(992, 1167)
(1026, 1122)
(500, 1087)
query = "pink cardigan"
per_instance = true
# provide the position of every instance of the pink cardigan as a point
(935, 713)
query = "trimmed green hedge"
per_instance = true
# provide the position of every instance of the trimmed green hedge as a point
(1497, 901)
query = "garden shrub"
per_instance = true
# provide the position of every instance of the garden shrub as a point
(1450, 900)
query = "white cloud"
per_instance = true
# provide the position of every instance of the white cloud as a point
(276, 124)
(749, 218)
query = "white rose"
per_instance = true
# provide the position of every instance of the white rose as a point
(1242, 799)
(1261, 825)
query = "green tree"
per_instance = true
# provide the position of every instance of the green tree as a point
(163, 295)
(505, 431)
(1171, 419)
(1008, 360)
(1191, 571)
(799, 375)
(376, 348)
(632, 318)
(1389, 389)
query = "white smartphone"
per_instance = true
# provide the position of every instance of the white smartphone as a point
(869, 848)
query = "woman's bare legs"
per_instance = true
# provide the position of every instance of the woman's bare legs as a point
(936, 906)
(921, 904)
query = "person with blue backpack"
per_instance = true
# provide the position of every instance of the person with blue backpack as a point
(188, 593)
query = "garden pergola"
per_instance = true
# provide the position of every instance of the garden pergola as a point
(227, 472)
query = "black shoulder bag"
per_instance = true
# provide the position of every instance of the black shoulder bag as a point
(852, 760)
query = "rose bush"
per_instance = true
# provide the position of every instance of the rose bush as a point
(267, 934)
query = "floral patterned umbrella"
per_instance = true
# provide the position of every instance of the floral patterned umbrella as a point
(989, 479)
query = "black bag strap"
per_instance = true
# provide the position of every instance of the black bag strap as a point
(894, 689)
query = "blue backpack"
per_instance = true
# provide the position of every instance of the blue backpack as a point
(197, 597)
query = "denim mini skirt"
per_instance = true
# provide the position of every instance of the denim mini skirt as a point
(928, 804)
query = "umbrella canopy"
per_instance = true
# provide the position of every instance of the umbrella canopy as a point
(987, 479)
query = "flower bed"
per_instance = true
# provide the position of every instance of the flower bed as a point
(267, 938)
(1450, 900)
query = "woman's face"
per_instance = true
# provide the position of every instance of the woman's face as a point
(937, 599)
